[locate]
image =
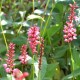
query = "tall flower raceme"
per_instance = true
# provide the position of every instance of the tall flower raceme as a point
(23, 56)
(69, 30)
(9, 66)
(33, 38)
(10, 61)
(41, 52)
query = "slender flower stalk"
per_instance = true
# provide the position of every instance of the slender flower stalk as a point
(10, 61)
(23, 56)
(69, 30)
(33, 38)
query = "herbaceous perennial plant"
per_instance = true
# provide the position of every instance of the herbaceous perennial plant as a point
(70, 31)
(34, 40)
(9, 66)
(33, 50)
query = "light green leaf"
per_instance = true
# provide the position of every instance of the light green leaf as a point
(22, 13)
(33, 16)
(38, 11)
(10, 77)
(4, 22)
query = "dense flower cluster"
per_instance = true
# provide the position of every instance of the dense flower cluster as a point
(23, 56)
(33, 38)
(10, 61)
(18, 75)
(41, 52)
(9, 66)
(69, 30)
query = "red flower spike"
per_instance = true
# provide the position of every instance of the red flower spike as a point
(41, 52)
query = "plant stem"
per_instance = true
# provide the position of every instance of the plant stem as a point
(21, 25)
(3, 30)
(72, 61)
(45, 11)
(39, 75)
(45, 27)
(22, 19)
(33, 5)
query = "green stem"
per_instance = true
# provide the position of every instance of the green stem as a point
(39, 75)
(3, 30)
(45, 27)
(22, 19)
(45, 11)
(33, 5)
(72, 60)
(21, 25)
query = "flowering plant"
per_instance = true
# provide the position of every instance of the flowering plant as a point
(39, 40)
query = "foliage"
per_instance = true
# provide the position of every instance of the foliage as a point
(17, 16)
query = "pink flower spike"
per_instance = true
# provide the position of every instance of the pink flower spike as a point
(23, 56)
(33, 38)
(10, 61)
(69, 30)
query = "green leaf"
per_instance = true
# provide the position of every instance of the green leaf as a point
(2, 71)
(53, 29)
(19, 40)
(43, 67)
(38, 11)
(73, 74)
(60, 51)
(4, 78)
(10, 77)
(22, 13)
(33, 16)
(2, 48)
(4, 22)
(76, 56)
(51, 68)
(63, 1)
(21, 23)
